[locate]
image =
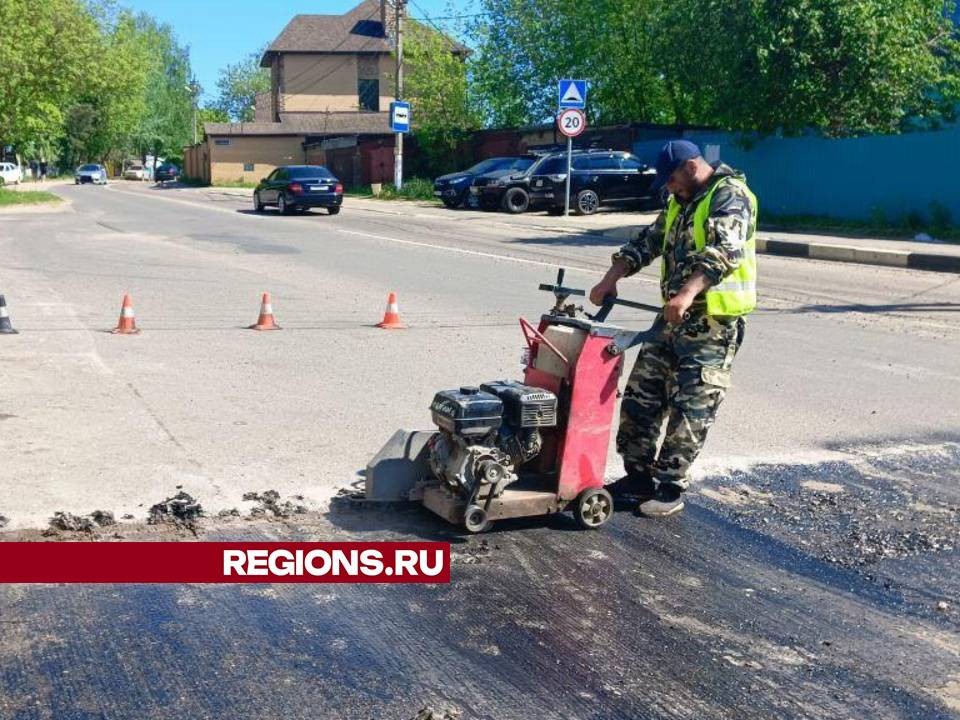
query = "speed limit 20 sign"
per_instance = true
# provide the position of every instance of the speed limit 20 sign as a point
(572, 122)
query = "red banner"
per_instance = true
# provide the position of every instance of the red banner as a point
(224, 562)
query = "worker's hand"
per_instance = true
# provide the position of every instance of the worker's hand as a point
(601, 290)
(677, 307)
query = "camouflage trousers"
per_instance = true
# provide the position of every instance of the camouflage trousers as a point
(680, 377)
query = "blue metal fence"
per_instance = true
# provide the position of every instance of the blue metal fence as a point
(867, 178)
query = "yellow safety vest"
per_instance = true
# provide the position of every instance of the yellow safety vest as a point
(736, 294)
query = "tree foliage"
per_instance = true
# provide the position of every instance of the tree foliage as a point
(765, 65)
(525, 46)
(238, 86)
(78, 77)
(435, 82)
(45, 54)
(168, 124)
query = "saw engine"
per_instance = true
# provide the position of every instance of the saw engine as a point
(487, 433)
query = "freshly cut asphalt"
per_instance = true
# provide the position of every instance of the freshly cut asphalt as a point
(813, 575)
(707, 615)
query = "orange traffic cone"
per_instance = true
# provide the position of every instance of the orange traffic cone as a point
(391, 317)
(128, 323)
(265, 321)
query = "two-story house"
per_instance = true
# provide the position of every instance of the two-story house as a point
(332, 81)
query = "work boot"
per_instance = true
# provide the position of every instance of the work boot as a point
(636, 483)
(667, 501)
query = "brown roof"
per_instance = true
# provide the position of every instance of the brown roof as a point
(358, 31)
(334, 123)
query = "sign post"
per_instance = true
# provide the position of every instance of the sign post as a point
(571, 123)
(400, 124)
(572, 99)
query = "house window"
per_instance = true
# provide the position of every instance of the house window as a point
(368, 93)
(221, 141)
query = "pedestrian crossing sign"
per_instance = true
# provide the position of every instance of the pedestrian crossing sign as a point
(573, 93)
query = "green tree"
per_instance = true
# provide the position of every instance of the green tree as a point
(116, 87)
(525, 46)
(167, 123)
(765, 65)
(238, 86)
(45, 56)
(844, 67)
(435, 82)
(210, 115)
(81, 129)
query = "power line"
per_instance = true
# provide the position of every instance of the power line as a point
(427, 17)
(447, 17)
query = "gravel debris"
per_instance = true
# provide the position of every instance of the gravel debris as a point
(269, 504)
(428, 713)
(471, 553)
(181, 509)
(103, 518)
(851, 514)
(68, 522)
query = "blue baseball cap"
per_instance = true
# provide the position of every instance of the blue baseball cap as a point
(672, 155)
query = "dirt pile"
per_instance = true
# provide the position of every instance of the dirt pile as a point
(181, 509)
(68, 522)
(269, 504)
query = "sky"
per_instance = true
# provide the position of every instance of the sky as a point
(220, 32)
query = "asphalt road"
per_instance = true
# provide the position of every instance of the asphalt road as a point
(813, 575)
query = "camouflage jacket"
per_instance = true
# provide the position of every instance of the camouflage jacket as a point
(728, 228)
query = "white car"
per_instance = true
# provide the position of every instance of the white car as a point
(135, 172)
(91, 173)
(11, 174)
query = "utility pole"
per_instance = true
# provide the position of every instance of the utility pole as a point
(398, 145)
(194, 90)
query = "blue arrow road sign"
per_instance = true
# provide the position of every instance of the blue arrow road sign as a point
(573, 94)
(400, 116)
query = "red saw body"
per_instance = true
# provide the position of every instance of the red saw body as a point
(517, 449)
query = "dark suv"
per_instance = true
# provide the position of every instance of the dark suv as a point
(598, 177)
(507, 190)
(454, 189)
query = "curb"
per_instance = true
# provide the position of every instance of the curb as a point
(933, 262)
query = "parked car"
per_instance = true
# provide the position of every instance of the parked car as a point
(298, 188)
(597, 178)
(90, 173)
(10, 174)
(454, 189)
(167, 172)
(507, 189)
(135, 172)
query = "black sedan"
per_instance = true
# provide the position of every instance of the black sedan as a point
(294, 188)
(454, 189)
(168, 172)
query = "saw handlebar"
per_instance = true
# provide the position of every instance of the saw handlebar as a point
(562, 293)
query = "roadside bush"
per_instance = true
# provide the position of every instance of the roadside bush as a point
(940, 218)
(413, 189)
(913, 221)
